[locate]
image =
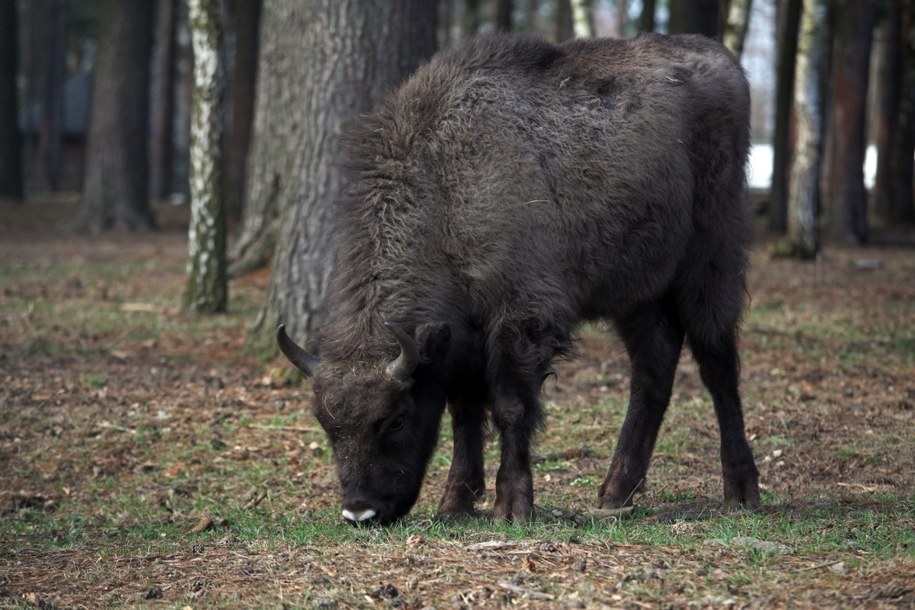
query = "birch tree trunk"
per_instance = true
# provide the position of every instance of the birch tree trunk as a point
(351, 64)
(116, 190)
(206, 290)
(738, 22)
(582, 19)
(804, 198)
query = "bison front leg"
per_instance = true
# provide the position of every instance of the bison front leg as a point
(516, 420)
(466, 480)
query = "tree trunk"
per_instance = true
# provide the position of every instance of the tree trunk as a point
(582, 19)
(804, 199)
(163, 111)
(352, 65)
(565, 22)
(116, 192)
(789, 18)
(10, 137)
(901, 210)
(695, 17)
(206, 290)
(50, 128)
(647, 17)
(622, 17)
(889, 72)
(244, 78)
(504, 9)
(738, 22)
(843, 175)
(472, 18)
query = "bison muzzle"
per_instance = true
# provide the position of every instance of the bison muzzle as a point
(508, 191)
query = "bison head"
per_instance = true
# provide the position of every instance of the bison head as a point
(382, 419)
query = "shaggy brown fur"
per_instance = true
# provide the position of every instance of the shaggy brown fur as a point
(505, 193)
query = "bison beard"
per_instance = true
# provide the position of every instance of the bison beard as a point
(506, 192)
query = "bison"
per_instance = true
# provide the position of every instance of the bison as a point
(508, 191)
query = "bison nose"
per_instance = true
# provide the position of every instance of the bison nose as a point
(358, 512)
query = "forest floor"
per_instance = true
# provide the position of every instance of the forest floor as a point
(148, 458)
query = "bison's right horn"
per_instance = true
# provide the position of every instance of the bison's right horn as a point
(302, 360)
(402, 368)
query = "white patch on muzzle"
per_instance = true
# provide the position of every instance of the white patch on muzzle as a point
(362, 515)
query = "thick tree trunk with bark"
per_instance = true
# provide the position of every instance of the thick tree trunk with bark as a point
(889, 72)
(51, 125)
(789, 18)
(844, 193)
(738, 22)
(163, 110)
(695, 17)
(244, 79)
(804, 197)
(116, 190)
(352, 63)
(10, 137)
(206, 290)
(565, 22)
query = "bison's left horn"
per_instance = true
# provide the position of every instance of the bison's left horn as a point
(402, 368)
(302, 360)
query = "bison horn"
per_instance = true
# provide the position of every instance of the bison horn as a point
(302, 360)
(402, 368)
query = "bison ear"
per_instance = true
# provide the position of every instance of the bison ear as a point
(432, 340)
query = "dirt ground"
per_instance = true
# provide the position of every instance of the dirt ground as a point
(132, 449)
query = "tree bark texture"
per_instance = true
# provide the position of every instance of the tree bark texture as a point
(206, 290)
(163, 110)
(844, 193)
(889, 72)
(244, 79)
(10, 136)
(789, 18)
(804, 198)
(116, 190)
(352, 63)
(695, 17)
(738, 22)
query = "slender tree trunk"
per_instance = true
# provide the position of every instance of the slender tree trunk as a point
(583, 18)
(738, 22)
(162, 141)
(116, 191)
(901, 210)
(647, 17)
(889, 71)
(804, 199)
(244, 79)
(206, 290)
(789, 18)
(472, 18)
(843, 176)
(330, 92)
(565, 22)
(695, 17)
(504, 9)
(50, 129)
(622, 17)
(10, 137)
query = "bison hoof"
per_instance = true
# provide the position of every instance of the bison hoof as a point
(517, 508)
(613, 495)
(741, 490)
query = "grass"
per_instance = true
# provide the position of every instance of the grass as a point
(144, 449)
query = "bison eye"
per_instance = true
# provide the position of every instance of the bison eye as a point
(397, 423)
